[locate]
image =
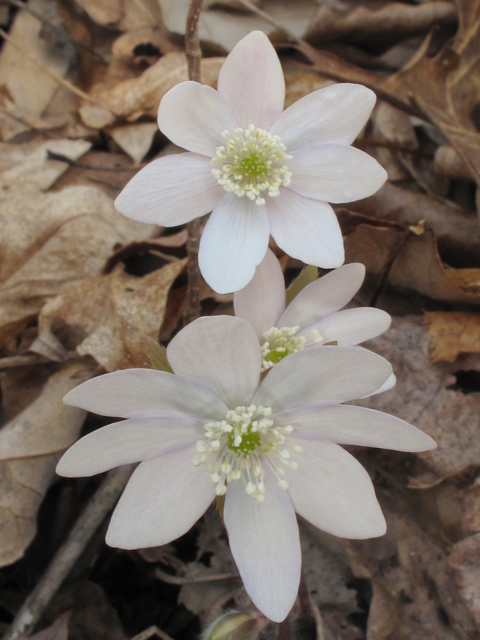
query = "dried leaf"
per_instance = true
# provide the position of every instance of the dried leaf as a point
(119, 313)
(57, 631)
(452, 333)
(105, 13)
(465, 560)
(29, 448)
(135, 139)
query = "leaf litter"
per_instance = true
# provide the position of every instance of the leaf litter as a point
(84, 290)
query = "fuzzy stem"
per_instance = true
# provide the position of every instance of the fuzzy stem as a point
(194, 55)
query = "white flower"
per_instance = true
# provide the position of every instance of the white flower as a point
(273, 448)
(313, 318)
(260, 169)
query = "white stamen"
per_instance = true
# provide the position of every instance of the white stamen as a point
(251, 162)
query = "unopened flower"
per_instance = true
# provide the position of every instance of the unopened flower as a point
(260, 169)
(313, 318)
(272, 448)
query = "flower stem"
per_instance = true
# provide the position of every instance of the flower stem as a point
(194, 55)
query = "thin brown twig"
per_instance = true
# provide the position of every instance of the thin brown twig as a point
(58, 78)
(193, 53)
(268, 18)
(61, 30)
(31, 358)
(98, 507)
(179, 580)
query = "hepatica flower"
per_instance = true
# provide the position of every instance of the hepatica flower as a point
(259, 169)
(271, 448)
(313, 318)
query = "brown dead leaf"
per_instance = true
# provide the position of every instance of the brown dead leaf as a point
(106, 13)
(452, 333)
(29, 448)
(119, 313)
(138, 96)
(57, 631)
(465, 561)
(470, 500)
(135, 139)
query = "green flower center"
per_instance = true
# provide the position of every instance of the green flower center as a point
(253, 166)
(249, 441)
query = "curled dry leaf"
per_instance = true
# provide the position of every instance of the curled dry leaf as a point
(135, 139)
(29, 450)
(423, 396)
(452, 333)
(119, 313)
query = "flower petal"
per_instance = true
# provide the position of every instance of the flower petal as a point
(333, 491)
(129, 441)
(350, 326)
(324, 296)
(334, 114)
(322, 374)
(194, 117)
(171, 191)
(346, 424)
(262, 301)
(251, 81)
(233, 243)
(163, 499)
(265, 545)
(145, 393)
(222, 353)
(335, 173)
(306, 229)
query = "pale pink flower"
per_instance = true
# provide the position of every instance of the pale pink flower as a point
(313, 318)
(273, 448)
(259, 169)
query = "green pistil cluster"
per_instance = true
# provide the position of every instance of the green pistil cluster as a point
(248, 442)
(253, 166)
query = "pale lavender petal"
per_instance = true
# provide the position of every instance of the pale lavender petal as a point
(171, 191)
(389, 384)
(333, 491)
(163, 499)
(265, 545)
(333, 114)
(222, 353)
(306, 229)
(233, 243)
(262, 301)
(194, 116)
(251, 81)
(346, 424)
(129, 441)
(335, 173)
(324, 296)
(322, 374)
(350, 326)
(145, 393)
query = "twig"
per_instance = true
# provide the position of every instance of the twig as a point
(53, 155)
(68, 85)
(96, 510)
(166, 577)
(270, 19)
(61, 30)
(25, 123)
(193, 53)
(32, 358)
(150, 632)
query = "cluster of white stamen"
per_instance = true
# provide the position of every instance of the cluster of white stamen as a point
(277, 343)
(252, 162)
(234, 449)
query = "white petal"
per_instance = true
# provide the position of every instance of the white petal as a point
(335, 173)
(233, 243)
(251, 81)
(350, 326)
(324, 296)
(171, 191)
(347, 424)
(194, 117)
(163, 499)
(129, 441)
(222, 353)
(306, 229)
(334, 114)
(322, 374)
(389, 384)
(145, 393)
(262, 301)
(265, 545)
(333, 491)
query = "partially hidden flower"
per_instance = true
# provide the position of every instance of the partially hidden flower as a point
(272, 448)
(259, 169)
(314, 317)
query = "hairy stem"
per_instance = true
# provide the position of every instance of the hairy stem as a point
(194, 55)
